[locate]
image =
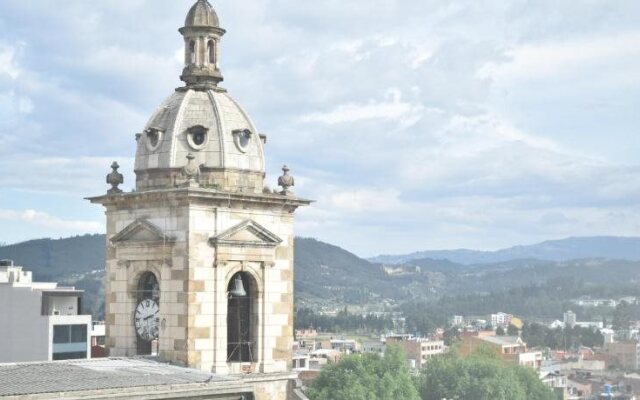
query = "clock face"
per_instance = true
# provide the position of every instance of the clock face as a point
(147, 319)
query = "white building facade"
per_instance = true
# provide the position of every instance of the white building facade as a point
(40, 320)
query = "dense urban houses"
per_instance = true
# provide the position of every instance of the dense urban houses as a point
(199, 257)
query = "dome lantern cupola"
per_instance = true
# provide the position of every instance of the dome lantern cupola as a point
(202, 34)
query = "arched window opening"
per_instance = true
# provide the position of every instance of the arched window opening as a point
(146, 315)
(148, 287)
(241, 343)
(192, 52)
(211, 49)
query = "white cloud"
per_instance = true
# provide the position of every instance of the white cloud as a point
(469, 147)
(535, 61)
(12, 103)
(419, 55)
(362, 200)
(8, 61)
(51, 222)
(393, 108)
(82, 176)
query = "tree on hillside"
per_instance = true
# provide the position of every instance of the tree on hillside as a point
(366, 377)
(622, 315)
(513, 330)
(481, 376)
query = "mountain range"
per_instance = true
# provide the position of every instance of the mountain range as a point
(329, 277)
(607, 247)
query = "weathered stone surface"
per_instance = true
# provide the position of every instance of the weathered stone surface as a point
(195, 237)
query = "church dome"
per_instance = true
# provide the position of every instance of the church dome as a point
(202, 14)
(200, 136)
(209, 127)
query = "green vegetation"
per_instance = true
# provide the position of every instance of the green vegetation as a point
(481, 376)
(366, 377)
(547, 301)
(51, 259)
(342, 322)
(536, 335)
(427, 292)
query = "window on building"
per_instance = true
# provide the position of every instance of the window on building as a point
(211, 49)
(69, 356)
(192, 52)
(78, 333)
(69, 342)
(69, 334)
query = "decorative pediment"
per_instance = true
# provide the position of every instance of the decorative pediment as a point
(141, 231)
(247, 233)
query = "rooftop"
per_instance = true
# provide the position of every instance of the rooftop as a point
(95, 374)
(503, 340)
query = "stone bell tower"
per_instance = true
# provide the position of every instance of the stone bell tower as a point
(199, 260)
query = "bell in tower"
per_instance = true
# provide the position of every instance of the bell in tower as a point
(199, 257)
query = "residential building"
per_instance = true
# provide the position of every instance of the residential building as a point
(589, 324)
(579, 388)
(306, 334)
(500, 319)
(509, 348)
(457, 320)
(608, 334)
(98, 339)
(569, 318)
(373, 347)
(589, 302)
(623, 355)
(557, 382)
(301, 361)
(344, 345)
(41, 321)
(417, 350)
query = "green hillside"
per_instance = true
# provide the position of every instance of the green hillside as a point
(51, 258)
(329, 277)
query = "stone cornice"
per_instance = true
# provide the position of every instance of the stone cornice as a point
(201, 194)
(190, 30)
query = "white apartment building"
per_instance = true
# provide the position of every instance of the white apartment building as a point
(40, 321)
(500, 319)
(569, 318)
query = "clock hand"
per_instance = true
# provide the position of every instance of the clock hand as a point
(152, 315)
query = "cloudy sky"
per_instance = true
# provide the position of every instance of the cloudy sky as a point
(415, 124)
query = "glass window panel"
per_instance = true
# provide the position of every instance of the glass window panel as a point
(78, 333)
(61, 333)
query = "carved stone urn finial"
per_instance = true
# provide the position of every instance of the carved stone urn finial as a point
(191, 172)
(286, 181)
(114, 178)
